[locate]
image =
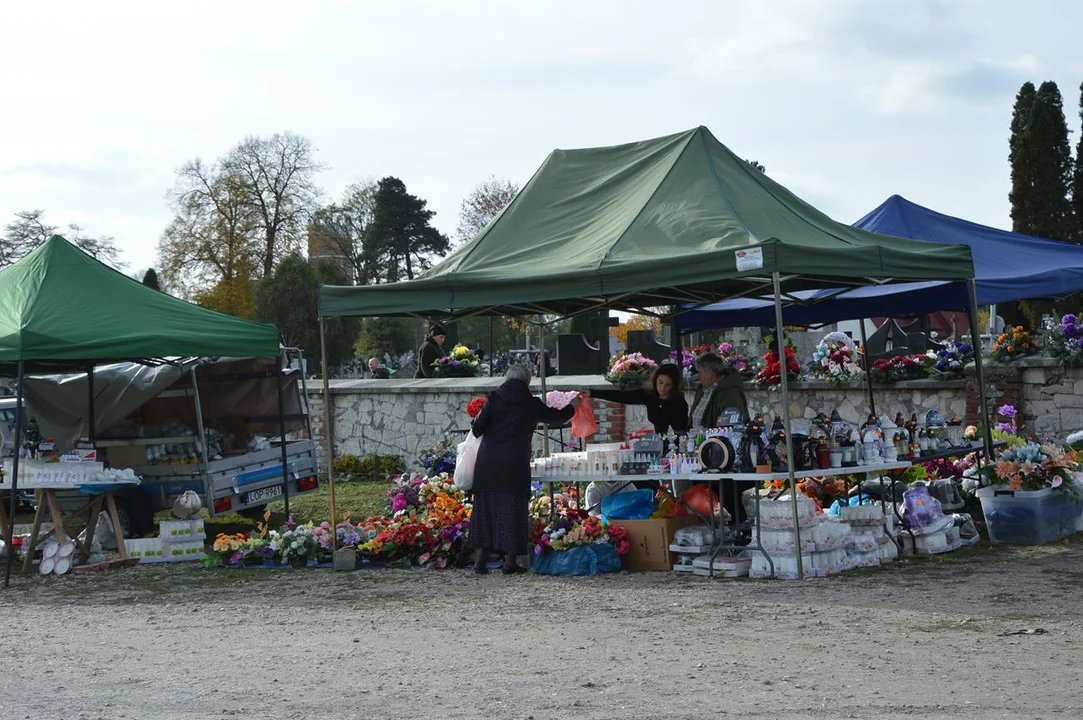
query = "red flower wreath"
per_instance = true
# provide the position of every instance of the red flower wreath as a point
(474, 406)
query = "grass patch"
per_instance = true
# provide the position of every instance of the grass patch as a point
(1019, 616)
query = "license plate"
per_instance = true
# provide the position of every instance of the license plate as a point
(263, 494)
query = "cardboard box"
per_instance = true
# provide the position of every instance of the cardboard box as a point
(650, 541)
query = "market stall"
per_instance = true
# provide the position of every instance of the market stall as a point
(657, 223)
(66, 312)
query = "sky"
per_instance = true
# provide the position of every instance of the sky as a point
(846, 102)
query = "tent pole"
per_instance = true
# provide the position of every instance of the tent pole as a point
(492, 346)
(979, 370)
(17, 448)
(282, 433)
(780, 338)
(868, 366)
(91, 430)
(329, 440)
(541, 374)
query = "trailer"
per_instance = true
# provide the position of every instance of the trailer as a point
(234, 430)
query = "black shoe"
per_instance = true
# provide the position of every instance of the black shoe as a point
(514, 570)
(481, 569)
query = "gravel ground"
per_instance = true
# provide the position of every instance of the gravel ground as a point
(981, 633)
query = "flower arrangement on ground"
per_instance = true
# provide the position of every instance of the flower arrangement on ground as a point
(1035, 467)
(403, 494)
(241, 549)
(1065, 341)
(770, 375)
(951, 359)
(573, 528)
(460, 362)
(836, 363)
(631, 369)
(440, 458)
(1013, 344)
(431, 531)
(296, 543)
(898, 368)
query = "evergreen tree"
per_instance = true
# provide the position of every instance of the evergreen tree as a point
(150, 279)
(1045, 159)
(1077, 179)
(1021, 172)
(400, 239)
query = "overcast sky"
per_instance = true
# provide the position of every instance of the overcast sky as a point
(845, 101)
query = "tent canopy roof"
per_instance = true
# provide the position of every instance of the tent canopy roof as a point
(674, 219)
(1007, 266)
(60, 306)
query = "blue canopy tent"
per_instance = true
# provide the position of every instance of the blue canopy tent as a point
(1007, 266)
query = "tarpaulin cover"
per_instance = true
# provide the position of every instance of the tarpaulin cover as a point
(646, 224)
(60, 304)
(1007, 266)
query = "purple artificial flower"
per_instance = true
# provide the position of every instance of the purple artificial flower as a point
(1007, 411)
(1006, 427)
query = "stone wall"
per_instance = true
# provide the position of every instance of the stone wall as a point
(406, 417)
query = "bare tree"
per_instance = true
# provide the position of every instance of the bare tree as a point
(214, 237)
(483, 204)
(29, 232)
(278, 172)
(339, 230)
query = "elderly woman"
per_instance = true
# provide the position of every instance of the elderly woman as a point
(506, 425)
(430, 351)
(720, 387)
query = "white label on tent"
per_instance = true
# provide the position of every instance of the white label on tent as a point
(751, 259)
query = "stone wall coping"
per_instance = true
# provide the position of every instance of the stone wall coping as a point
(483, 385)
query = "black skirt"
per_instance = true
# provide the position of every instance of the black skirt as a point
(500, 521)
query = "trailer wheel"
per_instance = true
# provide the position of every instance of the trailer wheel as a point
(134, 514)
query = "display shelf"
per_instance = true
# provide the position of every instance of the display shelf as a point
(121, 442)
(740, 477)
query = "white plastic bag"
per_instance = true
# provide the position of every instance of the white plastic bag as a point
(464, 461)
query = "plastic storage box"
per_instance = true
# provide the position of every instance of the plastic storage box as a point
(1028, 517)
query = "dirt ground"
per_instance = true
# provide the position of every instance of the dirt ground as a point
(980, 633)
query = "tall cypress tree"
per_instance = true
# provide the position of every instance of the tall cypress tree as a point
(1077, 179)
(1047, 158)
(1020, 195)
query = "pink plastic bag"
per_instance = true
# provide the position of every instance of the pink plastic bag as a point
(583, 423)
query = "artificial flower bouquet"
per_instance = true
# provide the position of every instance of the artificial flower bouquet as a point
(460, 362)
(1035, 467)
(770, 376)
(951, 359)
(729, 353)
(473, 408)
(440, 458)
(296, 543)
(1065, 341)
(630, 369)
(898, 368)
(1013, 344)
(403, 494)
(836, 363)
(241, 550)
(573, 528)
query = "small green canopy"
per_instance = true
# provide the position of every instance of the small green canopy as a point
(674, 219)
(60, 304)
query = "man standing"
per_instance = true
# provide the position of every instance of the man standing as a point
(379, 372)
(430, 351)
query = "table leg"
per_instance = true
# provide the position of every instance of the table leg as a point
(111, 504)
(39, 513)
(95, 507)
(57, 515)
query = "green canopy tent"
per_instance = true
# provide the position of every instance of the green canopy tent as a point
(62, 310)
(677, 219)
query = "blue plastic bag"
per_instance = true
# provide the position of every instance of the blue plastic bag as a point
(634, 505)
(582, 560)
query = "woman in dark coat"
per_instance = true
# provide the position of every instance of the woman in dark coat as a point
(500, 520)
(664, 397)
(430, 351)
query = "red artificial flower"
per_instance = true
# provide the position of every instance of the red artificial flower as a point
(473, 408)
